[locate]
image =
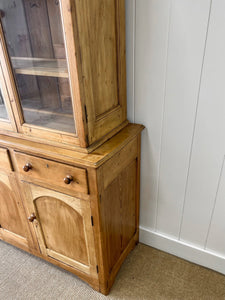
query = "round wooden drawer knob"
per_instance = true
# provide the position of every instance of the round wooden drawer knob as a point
(27, 167)
(32, 217)
(68, 179)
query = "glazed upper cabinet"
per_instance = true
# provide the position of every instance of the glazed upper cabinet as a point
(64, 69)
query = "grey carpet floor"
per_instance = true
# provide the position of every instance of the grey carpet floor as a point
(146, 274)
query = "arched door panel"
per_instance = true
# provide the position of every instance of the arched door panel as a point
(63, 227)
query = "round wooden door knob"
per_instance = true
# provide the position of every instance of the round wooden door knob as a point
(27, 167)
(31, 218)
(68, 179)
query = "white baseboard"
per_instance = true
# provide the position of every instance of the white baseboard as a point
(184, 250)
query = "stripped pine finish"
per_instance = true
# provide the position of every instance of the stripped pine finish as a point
(88, 227)
(77, 64)
(70, 162)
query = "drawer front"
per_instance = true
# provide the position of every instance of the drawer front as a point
(5, 162)
(50, 172)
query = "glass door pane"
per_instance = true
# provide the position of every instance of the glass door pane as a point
(35, 42)
(3, 111)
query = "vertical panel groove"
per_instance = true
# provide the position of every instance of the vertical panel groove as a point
(215, 201)
(195, 120)
(163, 115)
(134, 55)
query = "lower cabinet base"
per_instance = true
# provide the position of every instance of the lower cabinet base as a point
(80, 216)
(15, 240)
(105, 288)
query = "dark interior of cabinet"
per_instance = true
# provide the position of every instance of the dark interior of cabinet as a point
(34, 37)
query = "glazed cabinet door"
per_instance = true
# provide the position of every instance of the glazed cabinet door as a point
(35, 54)
(13, 224)
(63, 227)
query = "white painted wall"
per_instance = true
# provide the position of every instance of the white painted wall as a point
(176, 88)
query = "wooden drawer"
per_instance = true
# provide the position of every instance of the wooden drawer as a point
(5, 162)
(51, 172)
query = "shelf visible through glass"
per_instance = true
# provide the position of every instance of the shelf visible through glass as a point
(40, 66)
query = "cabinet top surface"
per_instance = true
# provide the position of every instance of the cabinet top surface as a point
(94, 159)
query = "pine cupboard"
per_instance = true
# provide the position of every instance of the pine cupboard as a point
(70, 162)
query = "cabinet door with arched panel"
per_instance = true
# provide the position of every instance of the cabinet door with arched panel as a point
(63, 227)
(13, 224)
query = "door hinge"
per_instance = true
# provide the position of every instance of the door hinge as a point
(97, 268)
(86, 115)
(92, 222)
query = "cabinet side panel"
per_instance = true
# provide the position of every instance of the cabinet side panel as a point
(118, 213)
(97, 30)
(128, 196)
(112, 222)
(100, 34)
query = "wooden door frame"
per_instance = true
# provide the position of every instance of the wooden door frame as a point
(67, 8)
(9, 124)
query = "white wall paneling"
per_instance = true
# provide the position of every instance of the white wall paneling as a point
(152, 28)
(187, 36)
(184, 250)
(175, 74)
(215, 239)
(209, 142)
